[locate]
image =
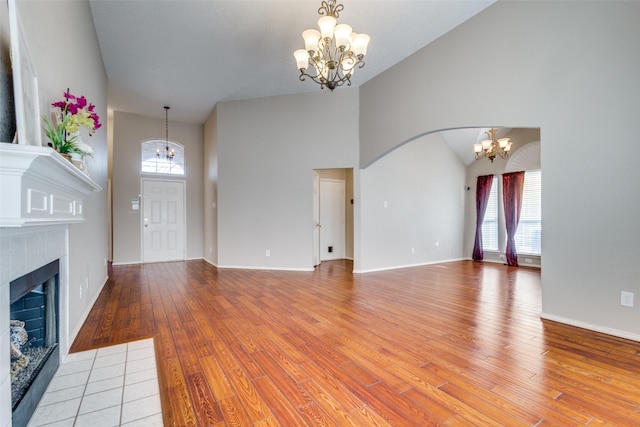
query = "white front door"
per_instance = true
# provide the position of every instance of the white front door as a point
(163, 225)
(332, 219)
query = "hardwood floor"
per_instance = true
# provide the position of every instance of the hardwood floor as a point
(452, 344)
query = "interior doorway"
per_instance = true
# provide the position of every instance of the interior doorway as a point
(332, 214)
(163, 220)
(332, 219)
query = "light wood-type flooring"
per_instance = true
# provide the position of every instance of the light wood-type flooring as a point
(456, 344)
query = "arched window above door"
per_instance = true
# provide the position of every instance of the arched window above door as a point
(162, 157)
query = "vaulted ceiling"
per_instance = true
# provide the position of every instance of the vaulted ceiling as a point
(192, 54)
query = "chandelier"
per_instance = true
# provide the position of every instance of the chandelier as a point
(334, 52)
(490, 148)
(168, 153)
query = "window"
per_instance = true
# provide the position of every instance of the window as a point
(162, 157)
(490, 222)
(528, 234)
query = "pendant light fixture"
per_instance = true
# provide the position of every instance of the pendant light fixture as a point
(168, 152)
(490, 148)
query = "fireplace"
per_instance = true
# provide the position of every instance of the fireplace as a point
(41, 195)
(34, 326)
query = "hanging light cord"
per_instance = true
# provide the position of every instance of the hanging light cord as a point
(166, 125)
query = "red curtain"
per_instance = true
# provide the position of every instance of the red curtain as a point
(483, 189)
(512, 185)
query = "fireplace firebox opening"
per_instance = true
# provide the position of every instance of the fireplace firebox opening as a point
(34, 326)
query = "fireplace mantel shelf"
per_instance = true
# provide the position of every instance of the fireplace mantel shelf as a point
(38, 186)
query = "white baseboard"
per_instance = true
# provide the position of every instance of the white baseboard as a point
(253, 267)
(140, 262)
(126, 263)
(397, 267)
(209, 262)
(499, 261)
(596, 328)
(493, 261)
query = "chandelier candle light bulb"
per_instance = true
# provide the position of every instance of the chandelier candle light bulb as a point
(343, 33)
(333, 52)
(327, 24)
(302, 58)
(311, 38)
(359, 43)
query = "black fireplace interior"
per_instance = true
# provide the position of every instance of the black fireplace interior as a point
(35, 355)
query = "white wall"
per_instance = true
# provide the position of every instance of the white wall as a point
(412, 209)
(129, 132)
(267, 150)
(64, 56)
(569, 68)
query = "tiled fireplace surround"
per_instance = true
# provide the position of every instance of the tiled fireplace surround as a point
(40, 195)
(23, 250)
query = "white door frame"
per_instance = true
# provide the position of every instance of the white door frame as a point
(184, 214)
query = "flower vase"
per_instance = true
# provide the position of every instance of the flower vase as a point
(77, 160)
(65, 155)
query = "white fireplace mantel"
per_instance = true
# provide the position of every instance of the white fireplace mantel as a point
(39, 186)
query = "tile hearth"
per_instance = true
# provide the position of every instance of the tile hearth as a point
(110, 386)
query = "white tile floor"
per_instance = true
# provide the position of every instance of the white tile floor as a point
(107, 387)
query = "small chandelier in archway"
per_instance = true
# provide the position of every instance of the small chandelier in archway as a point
(334, 52)
(490, 148)
(168, 152)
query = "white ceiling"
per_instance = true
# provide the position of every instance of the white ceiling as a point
(191, 54)
(461, 140)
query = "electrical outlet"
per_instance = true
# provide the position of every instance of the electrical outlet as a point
(413, 251)
(626, 299)
(81, 291)
(267, 253)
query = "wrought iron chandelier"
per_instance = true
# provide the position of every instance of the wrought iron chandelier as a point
(168, 152)
(334, 52)
(490, 148)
